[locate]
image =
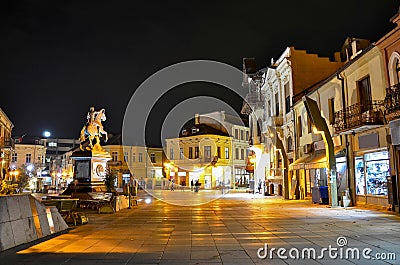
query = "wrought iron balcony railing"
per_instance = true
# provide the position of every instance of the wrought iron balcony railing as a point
(392, 102)
(114, 163)
(273, 121)
(359, 117)
(255, 99)
(6, 142)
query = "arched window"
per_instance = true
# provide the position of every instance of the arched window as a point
(289, 143)
(394, 68)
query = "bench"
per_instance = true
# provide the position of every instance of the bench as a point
(100, 201)
(66, 209)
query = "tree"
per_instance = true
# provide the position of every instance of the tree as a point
(109, 180)
(23, 180)
(7, 189)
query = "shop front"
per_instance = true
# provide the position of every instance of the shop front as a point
(242, 177)
(371, 172)
(310, 173)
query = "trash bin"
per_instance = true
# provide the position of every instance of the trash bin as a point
(315, 194)
(323, 191)
(346, 198)
(251, 186)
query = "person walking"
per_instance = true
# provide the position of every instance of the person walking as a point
(172, 185)
(196, 186)
(191, 185)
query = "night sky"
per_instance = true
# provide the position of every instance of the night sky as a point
(58, 58)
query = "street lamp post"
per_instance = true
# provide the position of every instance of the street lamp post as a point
(253, 161)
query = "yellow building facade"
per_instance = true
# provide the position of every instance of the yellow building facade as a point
(142, 163)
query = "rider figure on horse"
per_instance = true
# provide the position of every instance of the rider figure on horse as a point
(93, 128)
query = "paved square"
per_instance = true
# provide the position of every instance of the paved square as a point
(229, 230)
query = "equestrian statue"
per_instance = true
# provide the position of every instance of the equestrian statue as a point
(93, 129)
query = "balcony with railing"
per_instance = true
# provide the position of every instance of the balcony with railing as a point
(255, 99)
(114, 163)
(359, 117)
(6, 143)
(274, 121)
(392, 102)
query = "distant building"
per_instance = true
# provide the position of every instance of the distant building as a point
(213, 151)
(55, 148)
(29, 157)
(142, 163)
(240, 133)
(48, 159)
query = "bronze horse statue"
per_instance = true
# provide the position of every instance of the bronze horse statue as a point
(93, 128)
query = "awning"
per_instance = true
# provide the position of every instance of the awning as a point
(316, 160)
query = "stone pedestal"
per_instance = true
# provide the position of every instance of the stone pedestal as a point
(89, 171)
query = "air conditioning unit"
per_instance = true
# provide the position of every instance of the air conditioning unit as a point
(320, 145)
(308, 148)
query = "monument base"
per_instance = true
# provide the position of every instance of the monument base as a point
(89, 172)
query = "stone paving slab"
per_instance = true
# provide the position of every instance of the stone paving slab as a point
(229, 230)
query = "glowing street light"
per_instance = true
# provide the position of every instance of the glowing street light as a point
(46, 134)
(29, 167)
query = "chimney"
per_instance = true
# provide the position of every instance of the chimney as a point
(337, 57)
(354, 46)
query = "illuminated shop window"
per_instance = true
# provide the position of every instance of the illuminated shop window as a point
(371, 171)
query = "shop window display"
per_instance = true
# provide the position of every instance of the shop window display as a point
(371, 172)
(341, 177)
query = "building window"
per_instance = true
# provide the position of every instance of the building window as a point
(397, 71)
(181, 153)
(126, 157)
(140, 157)
(28, 158)
(241, 135)
(190, 152)
(196, 152)
(171, 153)
(364, 93)
(14, 157)
(39, 159)
(207, 153)
(309, 124)
(269, 110)
(153, 157)
(287, 98)
(236, 153)
(331, 109)
(218, 151)
(133, 157)
(114, 156)
(226, 152)
(236, 134)
(247, 135)
(276, 104)
(289, 143)
(299, 127)
(242, 154)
